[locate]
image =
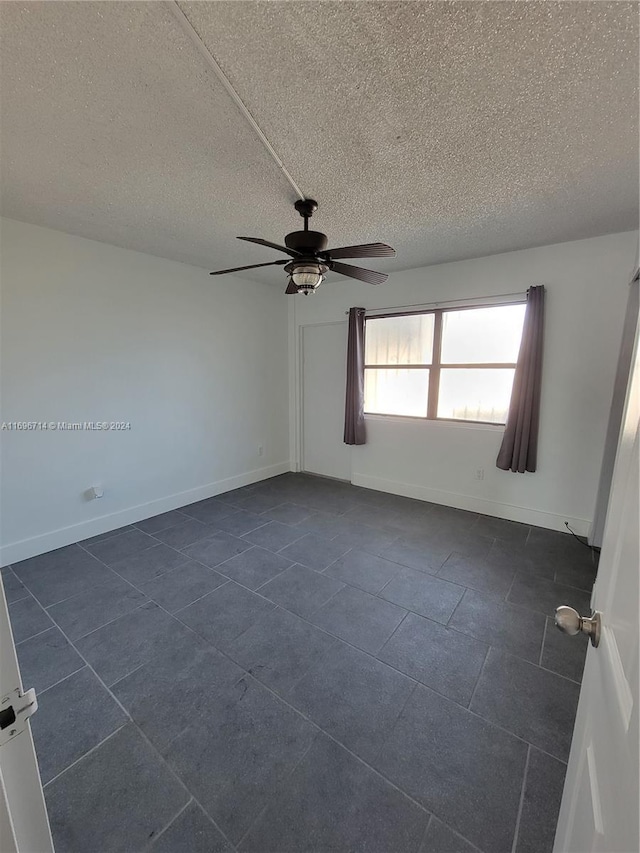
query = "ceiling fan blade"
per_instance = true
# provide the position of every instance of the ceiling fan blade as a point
(367, 250)
(250, 267)
(261, 242)
(292, 287)
(370, 276)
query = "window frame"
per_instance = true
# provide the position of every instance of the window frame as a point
(436, 365)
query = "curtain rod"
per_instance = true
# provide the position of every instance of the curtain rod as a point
(466, 300)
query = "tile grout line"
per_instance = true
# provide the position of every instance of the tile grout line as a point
(85, 754)
(279, 786)
(475, 686)
(33, 636)
(60, 680)
(516, 830)
(165, 828)
(544, 639)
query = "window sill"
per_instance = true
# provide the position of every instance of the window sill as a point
(407, 419)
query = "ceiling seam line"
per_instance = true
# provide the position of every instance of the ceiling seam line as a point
(189, 30)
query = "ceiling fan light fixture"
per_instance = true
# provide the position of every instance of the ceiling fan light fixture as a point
(306, 276)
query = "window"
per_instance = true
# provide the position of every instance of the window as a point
(450, 364)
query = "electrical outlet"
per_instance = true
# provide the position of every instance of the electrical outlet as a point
(479, 475)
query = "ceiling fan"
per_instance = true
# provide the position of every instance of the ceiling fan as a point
(311, 259)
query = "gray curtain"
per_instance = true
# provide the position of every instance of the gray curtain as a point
(354, 429)
(519, 449)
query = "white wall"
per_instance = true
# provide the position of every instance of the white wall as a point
(586, 285)
(91, 332)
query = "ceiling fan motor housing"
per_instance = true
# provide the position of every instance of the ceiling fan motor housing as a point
(307, 242)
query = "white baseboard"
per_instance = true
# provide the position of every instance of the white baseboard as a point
(525, 515)
(35, 545)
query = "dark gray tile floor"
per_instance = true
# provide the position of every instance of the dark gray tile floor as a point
(302, 665)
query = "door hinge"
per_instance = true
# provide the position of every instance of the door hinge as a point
(15, 710)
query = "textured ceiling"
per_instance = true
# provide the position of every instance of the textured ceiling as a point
(448, 129)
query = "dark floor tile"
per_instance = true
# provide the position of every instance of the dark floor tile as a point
(117, 548)
(224, 614)
(500, 624)
(353, 697)
(420, 557)
(359, 618)
(254, 567)
(182, 586)
(150, 564)
(67, 556)
(14, 589)
(235, 495)
(46, 658)
(502, 529)
(462, 768)
(259, 503)
(541, 803)
(109, 534)
(89, 610)
(208, 511)
(333, 802)
(178, 687)
(121, 792)
(216, 549)
(232, 764)
(441, 839)
(515, 557)
(60, 574)
(437, 656)
(160, 522)
(320, 524)
(580, 573)
(479, 574)
(544, 595)
(364, 538)
(73, 716)
(372, 516)
(534, 704)
(367, 572)
(189, 530)
(192, 832)
(301, 590)
(274, 535)
(279, 648)
(466, 542)
(122, 645)
(423, 594)
(562, 654)
(573, 562)
(313, 551)
(554, 541)
(27, 619)
(241, 522)
(288, 513)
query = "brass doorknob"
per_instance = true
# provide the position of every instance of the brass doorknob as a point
(570, 622)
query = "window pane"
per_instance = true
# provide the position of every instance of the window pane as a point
(396, 392)
(478, 335)
(475, 394)
(399, 340)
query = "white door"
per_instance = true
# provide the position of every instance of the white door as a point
(324, 378)
(24, 826)
(599, 812)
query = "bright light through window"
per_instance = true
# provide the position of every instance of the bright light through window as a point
(482, 335)
(467, 376)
